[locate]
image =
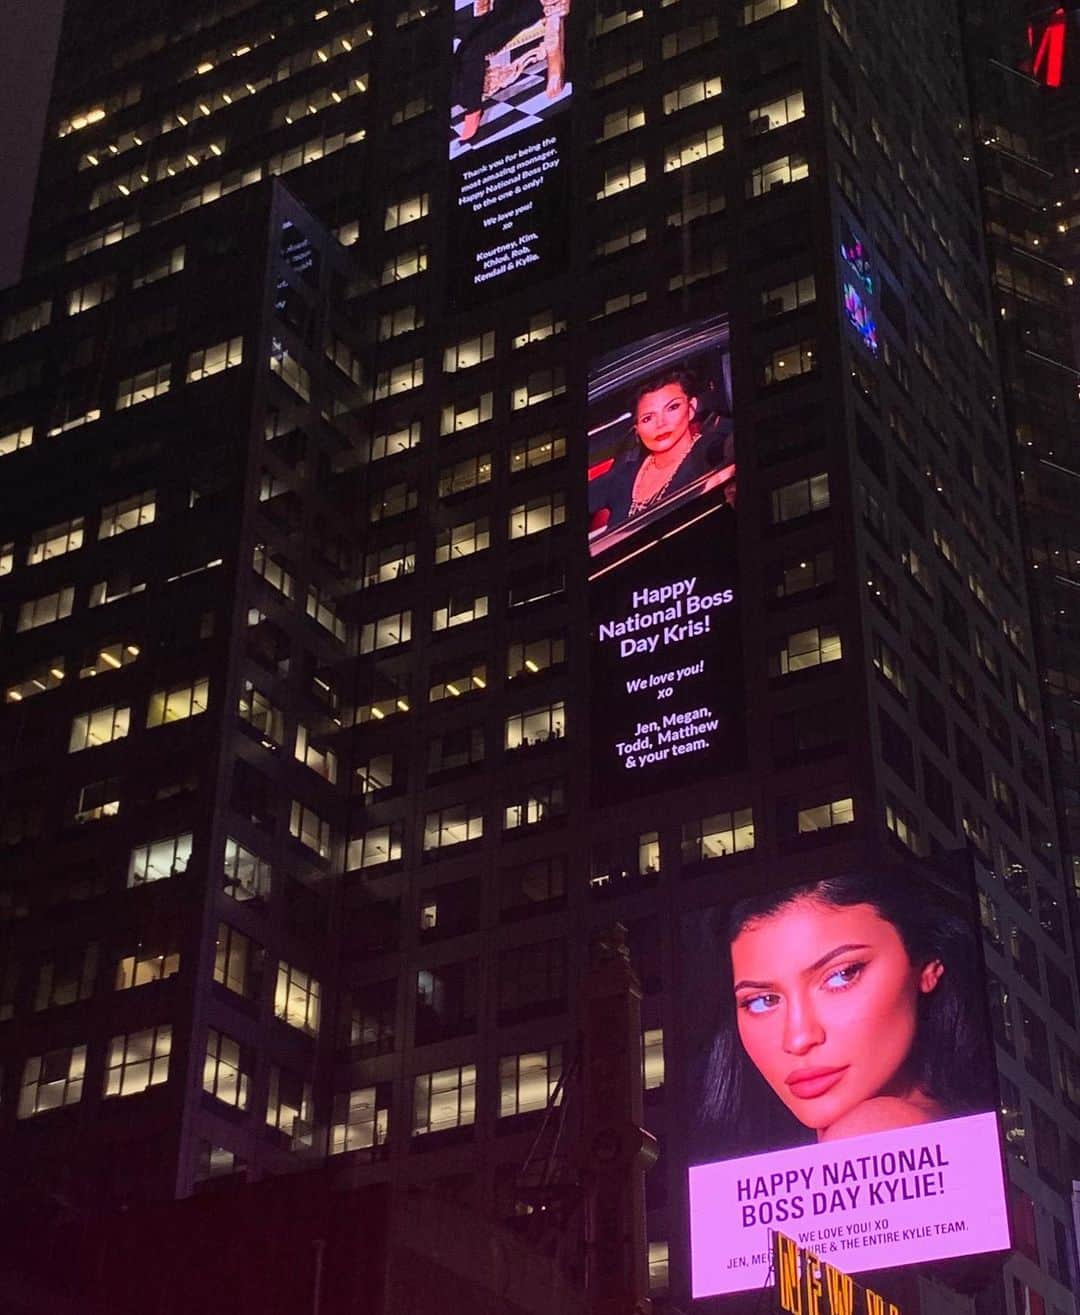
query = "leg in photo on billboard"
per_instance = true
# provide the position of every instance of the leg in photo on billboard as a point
(492, 30)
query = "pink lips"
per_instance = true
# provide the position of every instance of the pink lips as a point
(809, 1083)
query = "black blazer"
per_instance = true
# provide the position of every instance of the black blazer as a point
(713, 450)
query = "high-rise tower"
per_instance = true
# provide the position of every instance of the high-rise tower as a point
(318, 765)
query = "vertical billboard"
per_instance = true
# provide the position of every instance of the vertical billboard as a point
(666, 685)
(845, 1090)
(510, 85)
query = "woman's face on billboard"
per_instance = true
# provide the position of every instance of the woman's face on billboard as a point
(662, 417)
(827, 1009)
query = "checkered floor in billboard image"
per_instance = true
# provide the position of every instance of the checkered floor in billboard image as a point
(521, 106)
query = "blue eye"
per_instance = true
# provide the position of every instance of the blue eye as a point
(840, 978)
(760, 1004)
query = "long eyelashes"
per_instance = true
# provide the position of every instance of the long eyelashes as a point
(844, 977)
(759, 1004)
(838, 979)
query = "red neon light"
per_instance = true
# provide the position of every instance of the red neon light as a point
(1048, 57)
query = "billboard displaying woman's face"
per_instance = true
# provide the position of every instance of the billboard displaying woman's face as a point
(666, 663)
(846, 1084)
(661, 432)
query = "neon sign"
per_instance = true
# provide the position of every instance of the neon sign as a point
(1048, 49)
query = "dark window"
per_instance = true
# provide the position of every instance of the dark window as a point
(532, 981)
(446, 999)
(896, 748)
(938, 792)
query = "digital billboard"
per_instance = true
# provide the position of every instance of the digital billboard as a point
(510, 85)
(667, 694)
(845, 1090)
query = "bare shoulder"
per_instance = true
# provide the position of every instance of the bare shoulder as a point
(882, 1113)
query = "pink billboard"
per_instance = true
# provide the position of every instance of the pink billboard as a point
(874, 1202)
(844, 1089)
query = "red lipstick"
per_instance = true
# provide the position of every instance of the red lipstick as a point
(809, 1083)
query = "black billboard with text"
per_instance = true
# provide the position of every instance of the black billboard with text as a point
(667, 679)
(508, 142)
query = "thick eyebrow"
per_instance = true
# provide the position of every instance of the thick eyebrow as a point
(745, 984)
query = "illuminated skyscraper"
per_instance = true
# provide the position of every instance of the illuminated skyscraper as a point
(323, 758)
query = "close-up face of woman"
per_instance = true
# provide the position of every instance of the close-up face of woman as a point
(827, 1006)
(662, 418)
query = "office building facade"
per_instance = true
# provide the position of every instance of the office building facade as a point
(306, 829)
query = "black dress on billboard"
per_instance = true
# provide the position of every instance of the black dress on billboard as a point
(487, 34)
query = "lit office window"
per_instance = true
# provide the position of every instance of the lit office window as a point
(543, 801)
(297, 998)
(789, 362)
(58, 539)
(453, 825)
(178, 704)
(620, 177)
(529, 657)
(536, 450)
(46, 609)
(652, 1058)
(160, 859)
(43, 677)
(358, 1122)
(718, 836)
(838, 812)
(804, 496)
(462, 678)
(540, 386)
(805, 649)
(777, 113)
(528, 1081)
(456, 541)
(538, 514)
(698, 146)
(458, 610)
(399, 379)
(464, 475)
(755, 10)
(466, 414)
(213, 360)
(144, 967)
(469, 352)
(225, 1070)
(536, 726)
(91, 294)
(310, 829)
(407, 211)
(444, 1099)
(777, 173)
(143, 387)
(102, 726)
(246, 876)
(237, 961)
(119, 517)
(386, 632)
(51, 1081)
(15, 439)
(138, 1061)
(691, 93)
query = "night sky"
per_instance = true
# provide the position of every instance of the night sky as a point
(27, 47)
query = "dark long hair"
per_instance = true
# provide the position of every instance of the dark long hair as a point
(950, 1057)
(630, 448)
